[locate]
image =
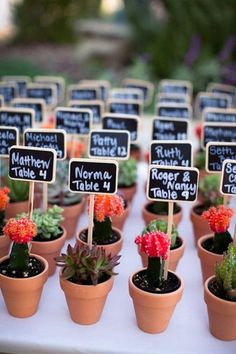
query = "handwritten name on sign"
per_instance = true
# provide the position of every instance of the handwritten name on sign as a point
(126, 94)
(47, 139)
(109, 144)
(169, 129)
(216, 153)
(218, 132)
(172, 98)
(146, 87)
(21, 118)
(8, 138)
(47, 92)
(96, 106)
(38, 105)
(73, 120)
(174, 110)
(93, 176)
(207, 100)
(176, 87)
(32, 164)
(8, 90)
(172, 183)
(219, 115)
(132, 107)
(78, 92)
(228, 178)
(171, 153)
(122, 122)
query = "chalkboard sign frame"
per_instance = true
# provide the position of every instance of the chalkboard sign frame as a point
(95, 161)
(17, 79)
(82, 87)
(119, 101)
(175, 143)
(160, 98)
(32, 101)
(222, 111)
(208, 145)
(52, 87)
(228, 89)
(81, 104)
(101, 84)
(14, 110)
(52, 151)
(148, 85)
(1, 101)
(223, 176)
(127, 94)
(57, 80)
(124, 116)
(178, 83)
(201, 94)
(109, 131)
(176, 106)
(172, 169)
(12, 85)
(217, 125)
(165, 121)
(16, 131)
(48, 131)
(75, 110)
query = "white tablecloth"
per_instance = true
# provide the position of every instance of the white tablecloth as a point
(52, 331)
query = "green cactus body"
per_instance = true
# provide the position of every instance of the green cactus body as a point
(155, 272)
(209, 188)
(102, 230)
(2, 218)
(127, 173)
(19, 190)
(161, 225)
(221, 242)
(19, 257)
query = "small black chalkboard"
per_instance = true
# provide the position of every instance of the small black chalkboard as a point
(169, 129)
(218, 132)
(21, 118)
(109, 144)
(20, 81)
(122, 122)
(47, 92)
(8, 90)
(1, 101)
(32, 164)
(216, 153)
(93, 176)
(58, 81)
(38, 105)
(176, 87)
(73, 120)
(96, 107)
(174, 110)
(146, 87)
(222, 88)
(171, 153)
(219, 115)
(82, 93)
(126, 94)
(172, 183)
(9, 136)
(228, 179)
(47, 139)
(102, 85)
(163, 98)
(132, 107)
(211, 100)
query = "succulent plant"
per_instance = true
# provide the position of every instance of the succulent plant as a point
(161, 225)
(200, 159)
(209, 191)
(83, 265)
(19, 190)
(226, 272)
(127, 173)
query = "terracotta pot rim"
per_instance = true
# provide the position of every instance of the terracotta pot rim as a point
(74, 285)
(103, 246)
(209, 293)
(194, 206)
(153, 201)
(68, 206)
(21, 201)
(51, 242)
(182, 246)
(204, 238)
(126, 187)
(143, 292)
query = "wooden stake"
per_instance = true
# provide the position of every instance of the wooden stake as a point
(90, 225)
(45, 197)
(225, 200)
(169, 229)
(31, 200)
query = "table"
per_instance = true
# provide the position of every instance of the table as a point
(52, 331)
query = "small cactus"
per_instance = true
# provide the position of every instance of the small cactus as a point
(161, 225)
(127, 173)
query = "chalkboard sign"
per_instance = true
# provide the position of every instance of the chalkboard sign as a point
(21, 118)
(174, 110)
(216, 153)
(126, 94)
(82, 93)
(102, 85)
(228, 178)
(38, 105)
(47, 139)
(8, 90)
(1, 101)
(172, 98)
(207, 100)
(96, 106)
(132, 107)
(20, 81)
(170, 183)
(222, 88)
(171, 153)
(219, 115)
(218, 132)
(73, 120)
(58, 81)
(176, 87)
(9, 136)
(122, 122)
(109, 144)
(47, 92)
(93, 176)
(32, 164)
(146, 86)
(169, 129)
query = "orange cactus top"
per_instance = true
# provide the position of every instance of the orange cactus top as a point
(4, 198)
(20, 231)
(218, 218)
(106, 205)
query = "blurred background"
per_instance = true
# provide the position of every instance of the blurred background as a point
(113, 39)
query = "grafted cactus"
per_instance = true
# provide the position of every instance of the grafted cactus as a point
(161, 225)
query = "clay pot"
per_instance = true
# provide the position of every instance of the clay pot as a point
(221, 315)
(49, 250)
(208, 259)
(200, 226)
(148, 216)
(153, 311)
(113, 248)
(119, 221)
(5, 243)
(16, 208)
(22, 295)
(128, 192)
(175, 256)
(86, 302)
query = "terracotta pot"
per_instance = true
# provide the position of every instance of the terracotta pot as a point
(148, 216)
(221, 314)
(113, 248)
(86, 302)
(153, 311)
(49, 250)
(5, 243)
(200, 226)
(119, 221)
(22, 295)
(175, 256)
(208, 259)
(128, 192)
(16, 208)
